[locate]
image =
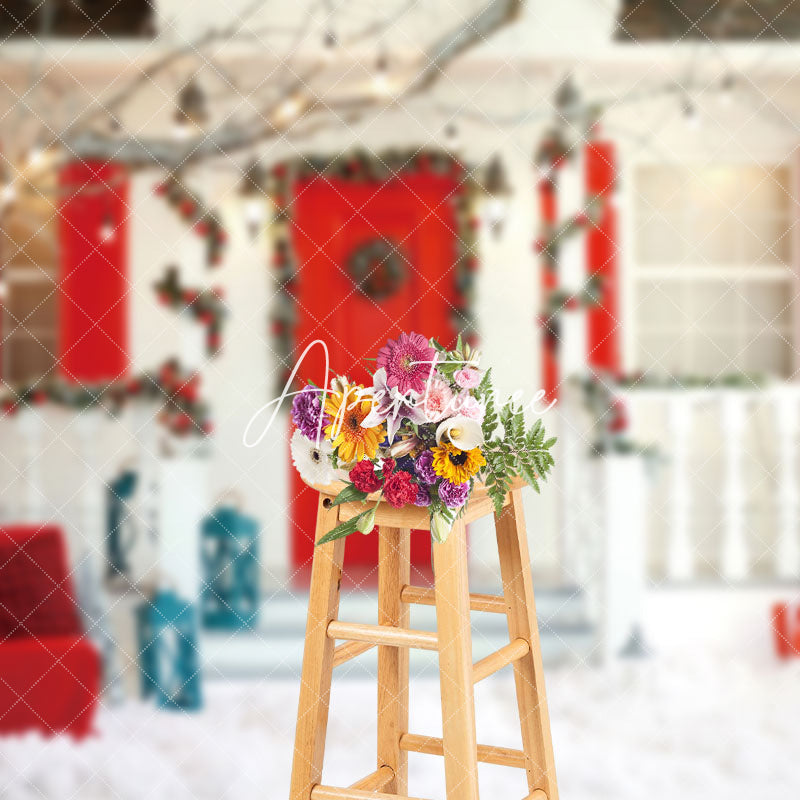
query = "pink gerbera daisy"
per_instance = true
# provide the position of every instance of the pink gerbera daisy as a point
(408, 362)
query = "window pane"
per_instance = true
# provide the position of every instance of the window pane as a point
(27, 359)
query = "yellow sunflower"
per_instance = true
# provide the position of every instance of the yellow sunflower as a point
(347, 412)
(457, 466)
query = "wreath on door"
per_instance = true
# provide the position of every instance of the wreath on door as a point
(377, 268)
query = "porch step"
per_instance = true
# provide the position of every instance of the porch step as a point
(275, 647)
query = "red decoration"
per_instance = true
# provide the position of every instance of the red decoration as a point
(205, 306)
(786, 637)
(604, 326)
(205, 221)
(93, 304)
(49, 670)
(548, 204)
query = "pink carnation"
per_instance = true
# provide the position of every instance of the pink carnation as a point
(467, 378)
(470, 407)
(437, 401)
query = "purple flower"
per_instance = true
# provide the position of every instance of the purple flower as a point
(423, 466)
(454, 495)
(423, 497)
(307, 410)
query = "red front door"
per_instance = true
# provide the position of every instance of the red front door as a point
(330, 219)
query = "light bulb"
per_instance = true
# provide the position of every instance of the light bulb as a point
(35, 155)
(3, 291)
(8, 194)
(288, 109)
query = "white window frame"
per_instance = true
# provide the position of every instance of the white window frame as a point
(633, 275)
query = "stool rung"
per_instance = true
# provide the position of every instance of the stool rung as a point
(497, 660)
(332, 793)
(536, 794)
(383, 634)
(375, 781)
(431, 745)
(344, 652)
(477, 602)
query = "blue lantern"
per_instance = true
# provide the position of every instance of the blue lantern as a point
(168, 656)
(120, 528)
(230, 593)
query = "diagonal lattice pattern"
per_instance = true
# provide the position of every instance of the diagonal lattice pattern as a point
(245, 708)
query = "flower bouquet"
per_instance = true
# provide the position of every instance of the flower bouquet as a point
(425, 432)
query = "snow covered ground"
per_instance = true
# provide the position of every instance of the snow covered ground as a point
(711, 716)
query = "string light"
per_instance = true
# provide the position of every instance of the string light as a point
(288, 109)
(8, 194)
(35, 155)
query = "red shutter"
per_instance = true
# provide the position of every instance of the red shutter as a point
(93, 308)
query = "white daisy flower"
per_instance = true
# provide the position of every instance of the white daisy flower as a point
(312, 462)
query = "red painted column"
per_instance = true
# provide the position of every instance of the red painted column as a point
(548, 210)
(93, 242)
(604, 325)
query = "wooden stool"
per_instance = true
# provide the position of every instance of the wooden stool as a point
(453, 642)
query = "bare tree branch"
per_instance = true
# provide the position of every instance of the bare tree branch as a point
(233, 136)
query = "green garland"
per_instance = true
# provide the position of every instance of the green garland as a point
(182, 411)
(205, 305)
(205, 221)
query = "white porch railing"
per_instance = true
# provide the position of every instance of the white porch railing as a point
(726, 506)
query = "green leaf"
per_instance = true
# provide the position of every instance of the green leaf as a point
(348, 495)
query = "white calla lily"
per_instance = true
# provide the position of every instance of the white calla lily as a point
(463, 432)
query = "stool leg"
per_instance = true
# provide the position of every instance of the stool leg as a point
(394, 572)
(455, 665)
(512, 543)
(315, 684)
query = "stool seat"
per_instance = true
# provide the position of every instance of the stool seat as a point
(452, 641)
(479, 505)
